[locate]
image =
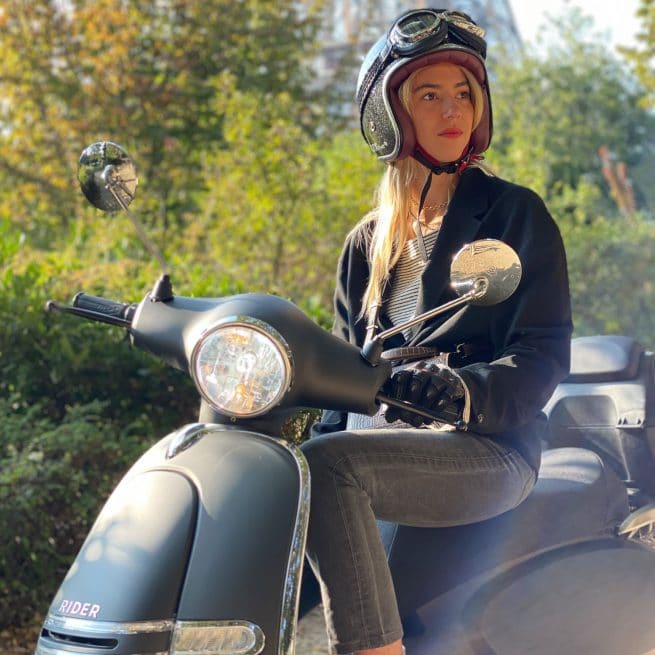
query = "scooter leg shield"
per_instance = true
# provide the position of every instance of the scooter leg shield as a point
(248, 555)
(203, 541)
(123, 587)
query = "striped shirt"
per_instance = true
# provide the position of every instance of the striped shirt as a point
(401, 305)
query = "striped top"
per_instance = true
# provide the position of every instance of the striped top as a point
(401, 305)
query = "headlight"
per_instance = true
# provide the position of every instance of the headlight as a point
(242, 367)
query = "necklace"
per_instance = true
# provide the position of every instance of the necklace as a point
(439, 205)
(431, 225)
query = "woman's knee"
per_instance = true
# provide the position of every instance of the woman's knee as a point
(329, 460)
(321, 455)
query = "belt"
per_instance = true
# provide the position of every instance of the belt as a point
(463, 354)
(411, 352)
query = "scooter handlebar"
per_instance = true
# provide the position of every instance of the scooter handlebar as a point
(104, 306)
(94, 308)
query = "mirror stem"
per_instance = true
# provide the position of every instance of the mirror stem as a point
(111, 185)
(372, 350)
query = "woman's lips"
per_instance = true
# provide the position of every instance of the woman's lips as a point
(451, 133)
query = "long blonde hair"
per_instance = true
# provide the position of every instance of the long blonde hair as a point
(391, 229)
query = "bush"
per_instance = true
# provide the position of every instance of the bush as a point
(53, 477)
(78, 404)
(611, 264)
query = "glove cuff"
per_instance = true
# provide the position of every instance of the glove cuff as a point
(463, 423)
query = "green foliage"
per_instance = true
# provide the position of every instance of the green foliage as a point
(53, 475)
(642, 56)
(553, 113)
(280, 201)
(611, 264)
(67, 361)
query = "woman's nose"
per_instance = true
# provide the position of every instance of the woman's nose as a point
(449, 108)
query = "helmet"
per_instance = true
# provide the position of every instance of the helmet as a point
(418, 38)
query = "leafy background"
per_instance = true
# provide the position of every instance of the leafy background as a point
(249, 180)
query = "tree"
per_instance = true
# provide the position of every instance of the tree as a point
(642, 57)
(280, 200)
(136, 72)
(552, 114)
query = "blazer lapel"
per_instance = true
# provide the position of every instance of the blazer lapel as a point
(461, 224)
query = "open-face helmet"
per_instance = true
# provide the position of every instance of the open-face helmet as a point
(418, 38)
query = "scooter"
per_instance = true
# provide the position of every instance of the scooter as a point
(200, 548)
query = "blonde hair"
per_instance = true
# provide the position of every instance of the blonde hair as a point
(391, 229)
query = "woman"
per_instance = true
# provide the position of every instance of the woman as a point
(426, 110)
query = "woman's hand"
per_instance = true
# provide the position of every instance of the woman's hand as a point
(430, 386)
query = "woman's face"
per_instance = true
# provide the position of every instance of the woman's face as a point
(442, 110)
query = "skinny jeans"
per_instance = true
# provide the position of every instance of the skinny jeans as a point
(416, 477)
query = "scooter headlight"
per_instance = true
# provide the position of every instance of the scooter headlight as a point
(242, 367)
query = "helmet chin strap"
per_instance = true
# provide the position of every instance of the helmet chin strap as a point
(437, 168)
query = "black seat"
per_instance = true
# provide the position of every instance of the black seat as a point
(576, 497)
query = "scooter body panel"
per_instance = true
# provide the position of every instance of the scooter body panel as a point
(208, 526)
(249, 548)
(133, 562)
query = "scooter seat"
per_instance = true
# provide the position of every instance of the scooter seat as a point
(576, 497)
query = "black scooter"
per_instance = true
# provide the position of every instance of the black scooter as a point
(200, 548)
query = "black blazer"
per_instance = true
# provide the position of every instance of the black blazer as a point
(522, 344)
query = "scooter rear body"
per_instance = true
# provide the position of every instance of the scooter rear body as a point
(547, 578)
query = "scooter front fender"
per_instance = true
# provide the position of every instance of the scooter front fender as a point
(207, 528)
(246, 563)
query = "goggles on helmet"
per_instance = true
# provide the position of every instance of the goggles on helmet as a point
(420, 30)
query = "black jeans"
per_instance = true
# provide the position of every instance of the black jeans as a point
(416, 477)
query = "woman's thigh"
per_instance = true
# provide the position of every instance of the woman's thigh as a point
(422, 478)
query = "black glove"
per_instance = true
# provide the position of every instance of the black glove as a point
(430, 386)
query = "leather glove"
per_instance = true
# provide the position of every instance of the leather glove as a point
(430, 386)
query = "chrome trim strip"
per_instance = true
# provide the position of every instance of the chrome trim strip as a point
(256, 631)
(291, 598)
(184, 437)
(63, 624)
(42, 649)
(639, 519)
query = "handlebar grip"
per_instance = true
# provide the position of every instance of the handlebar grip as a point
(103, 306)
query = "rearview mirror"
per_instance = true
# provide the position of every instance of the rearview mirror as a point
(484, 272)
(107, 176)
(488, 265)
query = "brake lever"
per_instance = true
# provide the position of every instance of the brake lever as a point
(405, 405)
